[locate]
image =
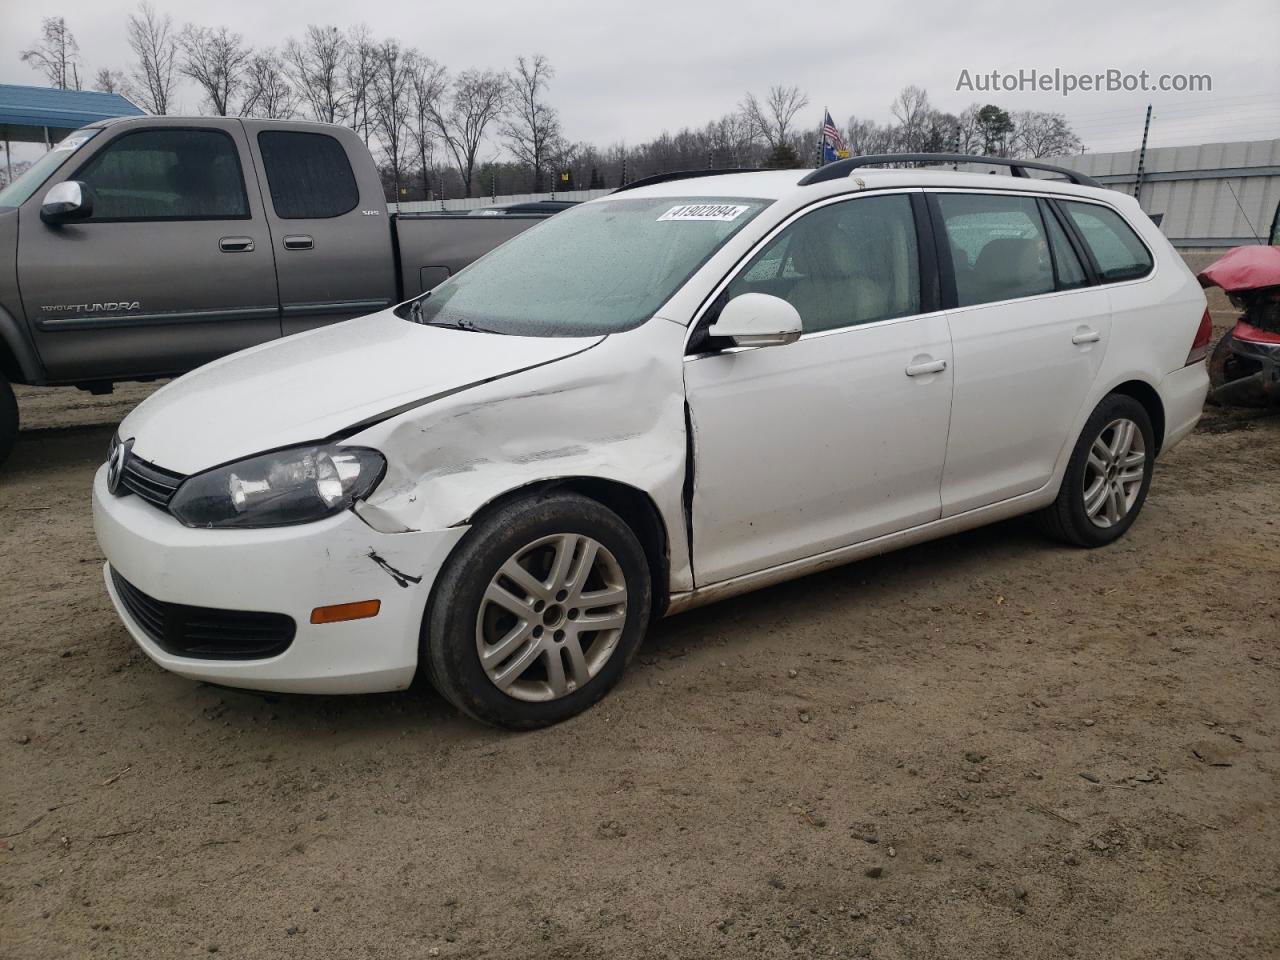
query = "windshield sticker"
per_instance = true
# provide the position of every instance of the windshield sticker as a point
(705, 211)
(71, 143)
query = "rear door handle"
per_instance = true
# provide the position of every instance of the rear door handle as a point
(236, 245)
(298, 241)
(1086, 336)
(928, 366)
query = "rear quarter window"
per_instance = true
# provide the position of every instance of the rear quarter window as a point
(309, 175)
(1116, 249)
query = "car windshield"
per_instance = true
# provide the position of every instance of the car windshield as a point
(596, 269)
(29, 181)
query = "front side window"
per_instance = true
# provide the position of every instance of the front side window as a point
(167, 174)
(842, 265)
(309, 175)
(30, 180)
(998, 247)
(1116, 249)
(599, 268)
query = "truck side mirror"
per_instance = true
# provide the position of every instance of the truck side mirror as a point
(67, 202)
(758, 320)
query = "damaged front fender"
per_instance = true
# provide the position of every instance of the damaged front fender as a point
(613, 413)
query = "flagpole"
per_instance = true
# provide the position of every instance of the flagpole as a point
(822, 126)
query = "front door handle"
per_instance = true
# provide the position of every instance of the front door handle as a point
(236, 244)
(928, 366)
(298, 241)
(1086, 336)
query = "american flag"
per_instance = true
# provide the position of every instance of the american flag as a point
(833, 147)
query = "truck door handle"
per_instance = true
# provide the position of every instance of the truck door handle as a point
(298, 241)
(236, 244)
(1086, 336)
(928, 366)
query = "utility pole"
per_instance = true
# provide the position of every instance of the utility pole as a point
(1142, 156)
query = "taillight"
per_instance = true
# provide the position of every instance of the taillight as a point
(1200, 346)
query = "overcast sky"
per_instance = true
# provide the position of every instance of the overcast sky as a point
(628, 71)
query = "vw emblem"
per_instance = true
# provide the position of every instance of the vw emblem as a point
(115, 466)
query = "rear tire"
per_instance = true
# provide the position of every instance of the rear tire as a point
(8, 419)
(1107, 477)
(537, 611)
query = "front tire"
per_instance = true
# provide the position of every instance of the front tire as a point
(8, 419)
(537, 612)
(1107, 477)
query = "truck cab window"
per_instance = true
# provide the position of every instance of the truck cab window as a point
(309, 175)
(167, 174)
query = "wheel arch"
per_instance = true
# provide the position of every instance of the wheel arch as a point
(1146, 395)
(19, 362)
(637, 509)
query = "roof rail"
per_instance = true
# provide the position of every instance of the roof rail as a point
(685, 175)
(842, 168)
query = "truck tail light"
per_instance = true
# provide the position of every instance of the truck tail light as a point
(1204, 335)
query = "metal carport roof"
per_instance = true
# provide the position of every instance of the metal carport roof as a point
(26, 113)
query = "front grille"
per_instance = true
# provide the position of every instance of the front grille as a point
(206, 633)
(153, 484)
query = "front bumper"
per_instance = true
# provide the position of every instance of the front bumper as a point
(289, 570)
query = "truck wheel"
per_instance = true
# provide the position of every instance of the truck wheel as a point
(1107, 477)
(537, 612)
(8, 419)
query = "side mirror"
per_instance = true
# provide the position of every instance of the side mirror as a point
(67, 202)
(758, 320)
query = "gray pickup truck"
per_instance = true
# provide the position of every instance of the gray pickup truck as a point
(142, 247)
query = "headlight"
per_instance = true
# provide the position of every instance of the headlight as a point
(289, 486)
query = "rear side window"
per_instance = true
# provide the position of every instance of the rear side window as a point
(1116, 249)
(998, 247)
(167, 175)
(309, 175)
(842, 265)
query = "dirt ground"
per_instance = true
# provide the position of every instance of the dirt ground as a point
(990, 746)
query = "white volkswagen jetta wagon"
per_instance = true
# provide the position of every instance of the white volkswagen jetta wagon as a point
(682, 391)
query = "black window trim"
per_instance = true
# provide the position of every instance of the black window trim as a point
(1059, 204)
(697, 344)
(355, 182)
(133, 131)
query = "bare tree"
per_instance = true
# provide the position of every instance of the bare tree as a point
(361, 66)
(428, 82)
(153, 43)
(217, 60)
(479, 98)
(267, 90)
(1038, 134)
(109, 81)
(774, 119)
(968, 130)
(56, 54)
(911, 110)
(532, 130)
(317, 67)
(730, 141)
(866, 137)
(391, 90)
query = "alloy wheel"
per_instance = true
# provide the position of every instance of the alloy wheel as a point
(551, 617)
(1113, 472)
